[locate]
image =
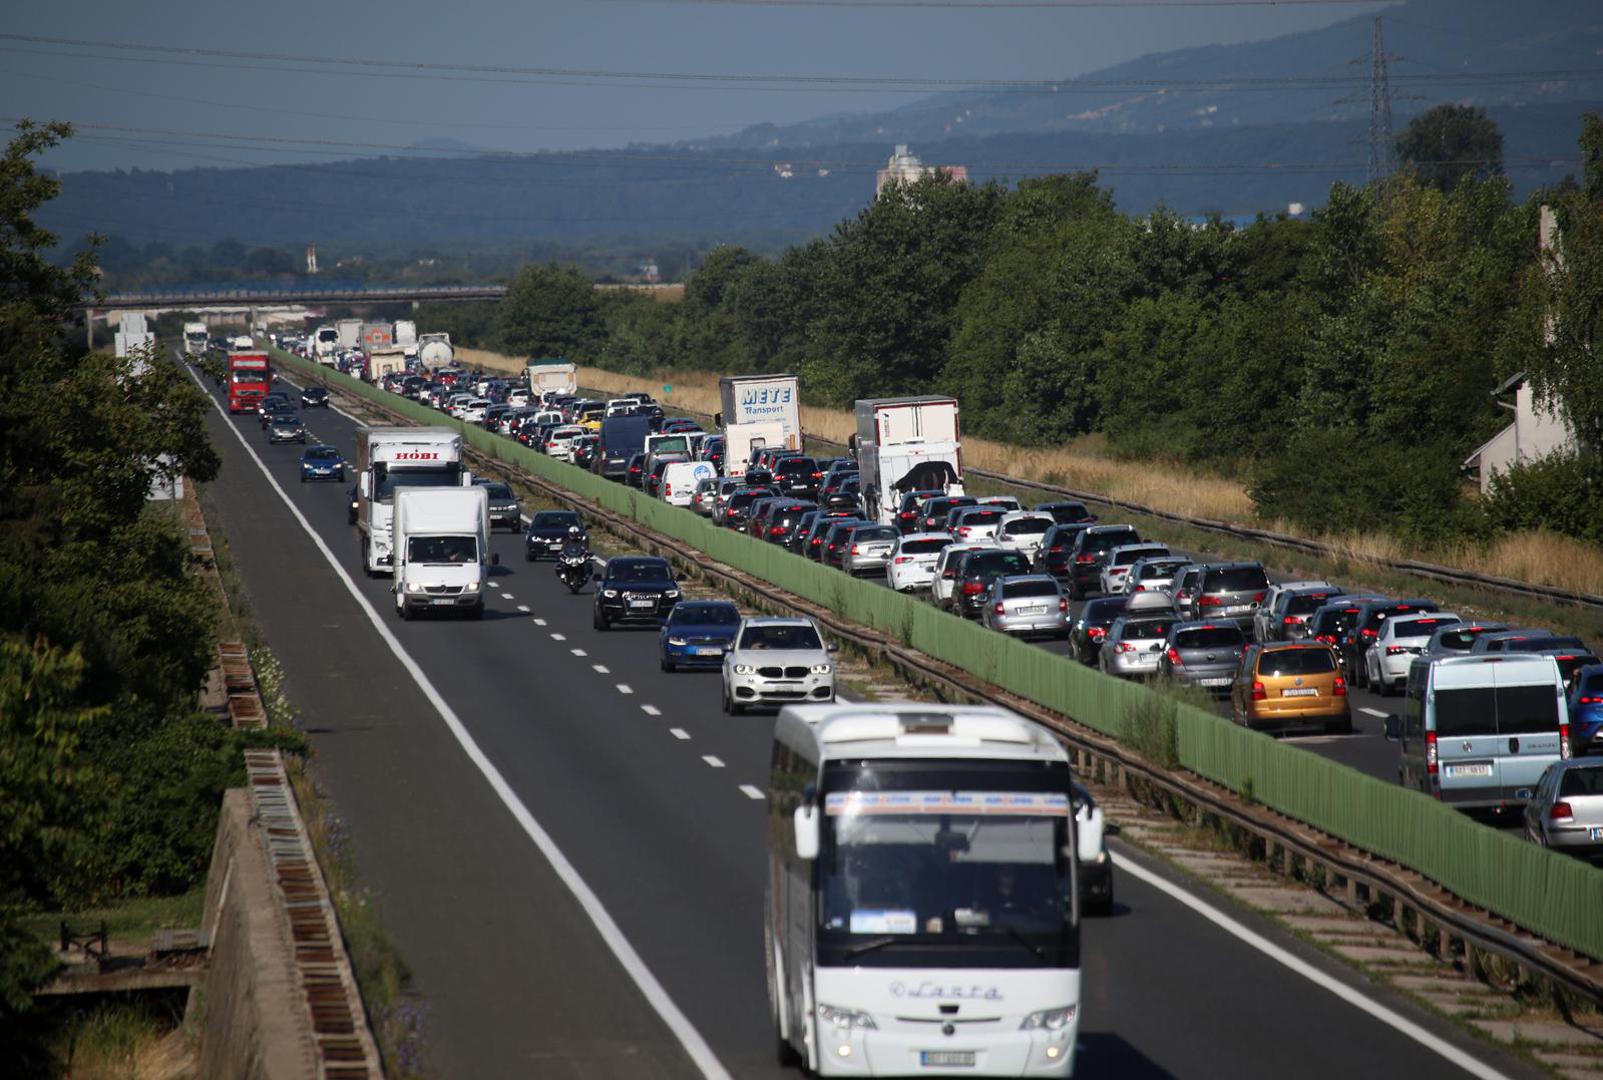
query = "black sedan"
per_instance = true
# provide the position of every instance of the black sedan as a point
(634, 588)
(314, 397)
(547, 530)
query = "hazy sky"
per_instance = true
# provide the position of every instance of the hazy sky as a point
(192, 93)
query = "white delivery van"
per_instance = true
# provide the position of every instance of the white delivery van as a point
(680, 478)
(442, 550)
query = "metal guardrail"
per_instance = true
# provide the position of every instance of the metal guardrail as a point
(1459, 927)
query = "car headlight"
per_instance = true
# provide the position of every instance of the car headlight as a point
(609, 593)
(846, 1019)
(822, 669)
(472, 586)
(676, 641)
(1049, 1019)
(743, 669)
(414, 586)
(672, 594)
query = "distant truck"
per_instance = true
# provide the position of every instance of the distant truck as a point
(194, 338)
(392, 457)
(906, 444)
(241, 342)
(762, 399)
(434, 351)
(325, 344)
(381, 362)
(552, 376)
(250, 377)
(742, 441)
(377, 335)
(442, 549)
(622, 437)
(350, 331)
(406, 337)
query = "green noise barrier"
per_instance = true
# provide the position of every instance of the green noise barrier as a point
(1553, 895)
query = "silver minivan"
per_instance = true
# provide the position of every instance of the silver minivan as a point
(1477, 732)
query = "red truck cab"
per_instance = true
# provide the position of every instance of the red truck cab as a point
(250, 376)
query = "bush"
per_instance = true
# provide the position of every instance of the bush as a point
(1561, 492)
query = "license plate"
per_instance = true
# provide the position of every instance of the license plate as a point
(442, 600)
(1033, 610)
(1213, 682)
(709, 650)
(1301, 691)
(946, 1059)
(642, 603)
(1479, 768)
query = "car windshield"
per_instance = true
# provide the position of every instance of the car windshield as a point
(427, 476)
(1103, 611)
(1306, 603)
(1153, 570)
(1146, 629)
(1210, 637)
(914, 868)
(322, 453)
(1028, 526)
(991, 563)
(789, 636)
(442, 549)
(1104, 541)
(554, 519)
(1297, 662)
(1129, 558)
(796, 465)
(638, 570)
(1417, 628)
(288, 421)
(979, 517)
(1460, 639)
(1334, 620)
(499, 491)
(1581, 781)
(1236, 579)
(1039, 587)
(705, 615)
(1066, 513)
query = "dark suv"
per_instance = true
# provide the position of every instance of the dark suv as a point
(634, 588)
(977, 570)
(1090, 552)
(935, 511)
(1230, 591)
(908, 510)
(1053, 556)
(798, 476)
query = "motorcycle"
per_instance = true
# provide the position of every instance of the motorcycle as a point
(573, 571)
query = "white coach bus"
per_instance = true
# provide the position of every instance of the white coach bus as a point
(922, 896)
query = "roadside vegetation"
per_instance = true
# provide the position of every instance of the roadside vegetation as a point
(1328, 374)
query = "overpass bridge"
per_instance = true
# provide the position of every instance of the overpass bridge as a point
(263, 294)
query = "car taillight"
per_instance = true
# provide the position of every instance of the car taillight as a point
(1056, 549)
(1591, 701)
(1085, 560)
(906, 514)
(818, 476)
(667, 489)
(856, 550)
(1328, 639)
(1563, 741)
(1367, 633)
(999, 609)
(1174, 658)
(972, 588)
(1209, 601)
(1395, 650)
(1257, 598)
(1258, 692)
(900, 559)
(1096, 632)
(1293, 620)
(1140, 588)
(1561, 812)
(1063, 606)
(963, 530)
(1432, 762)
(776, 530)
(1341, 687)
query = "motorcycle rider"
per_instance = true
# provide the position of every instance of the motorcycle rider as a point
(574, 558)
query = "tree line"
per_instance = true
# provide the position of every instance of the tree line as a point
(1341, 365)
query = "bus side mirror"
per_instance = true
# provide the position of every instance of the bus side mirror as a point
(1394, 727)
(806, 822)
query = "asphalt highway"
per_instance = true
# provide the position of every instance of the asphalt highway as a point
(653, 802)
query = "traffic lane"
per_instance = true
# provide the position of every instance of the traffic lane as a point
(481, 920)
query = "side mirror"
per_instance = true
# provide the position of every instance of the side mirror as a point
(805, 820)
(718, 419)
(495, 558)
(832, 647)
(1394, 727)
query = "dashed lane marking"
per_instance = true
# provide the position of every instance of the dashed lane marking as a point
(712, 761)
(1372, 712)
(559, 637)
(602, 669)
(578, 652)
(651, 710)
(625, 688)
(508, 596)
(679, 733)
(539, 622)
(751, 791)
(523, 608)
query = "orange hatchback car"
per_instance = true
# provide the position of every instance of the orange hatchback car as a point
(1284, 686)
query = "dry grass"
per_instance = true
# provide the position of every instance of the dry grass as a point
(1539, 557)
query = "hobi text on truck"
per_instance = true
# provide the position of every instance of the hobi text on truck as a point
(906, 444)
(757, 411)
(392, 457)
(250, 377)
(442, 549)
(922, 909)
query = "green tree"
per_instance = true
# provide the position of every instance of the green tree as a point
(1443, 145)
(550, 311)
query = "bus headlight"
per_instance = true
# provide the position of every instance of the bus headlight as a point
(1049, 1019)
(414, 586)
(846, 1019)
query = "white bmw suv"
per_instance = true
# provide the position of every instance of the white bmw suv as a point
(775, 661)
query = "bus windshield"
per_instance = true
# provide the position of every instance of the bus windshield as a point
(943, 878)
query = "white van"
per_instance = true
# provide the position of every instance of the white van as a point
(1477, 732)
(680, 478)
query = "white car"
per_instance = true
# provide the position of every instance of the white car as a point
(1398, 641)
(1023, 530)
(622, 406)
(1121, 558)
(559, 442)
(912, 560)
(944, 577)
(777, 661)
(1004, 502)
(455, 402)
(472, 410)
(519, 397)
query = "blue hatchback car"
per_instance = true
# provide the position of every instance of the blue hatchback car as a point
(322, 463)
(697, 634)
(1586, 710)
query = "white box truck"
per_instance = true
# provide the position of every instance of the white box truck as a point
(194, 338)
(350, 332)
(761, 399)
(552, 376)
(325, 344)
(742, 441)
(406, 337)
(434, 351)
(392, 457)
(442, 550)
(382, 362)
(906, 444)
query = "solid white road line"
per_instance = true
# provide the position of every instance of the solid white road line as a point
(624, 688)
(751, 791)
(1372, 712)
(331, 405)
(714, 762)
(1351, 996)
(651, 710)
(679, 733)
(601, 669)
(611, 934)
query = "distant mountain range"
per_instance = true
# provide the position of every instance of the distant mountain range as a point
(1235, 130)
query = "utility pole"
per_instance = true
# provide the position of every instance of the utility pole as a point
(1382, 152)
